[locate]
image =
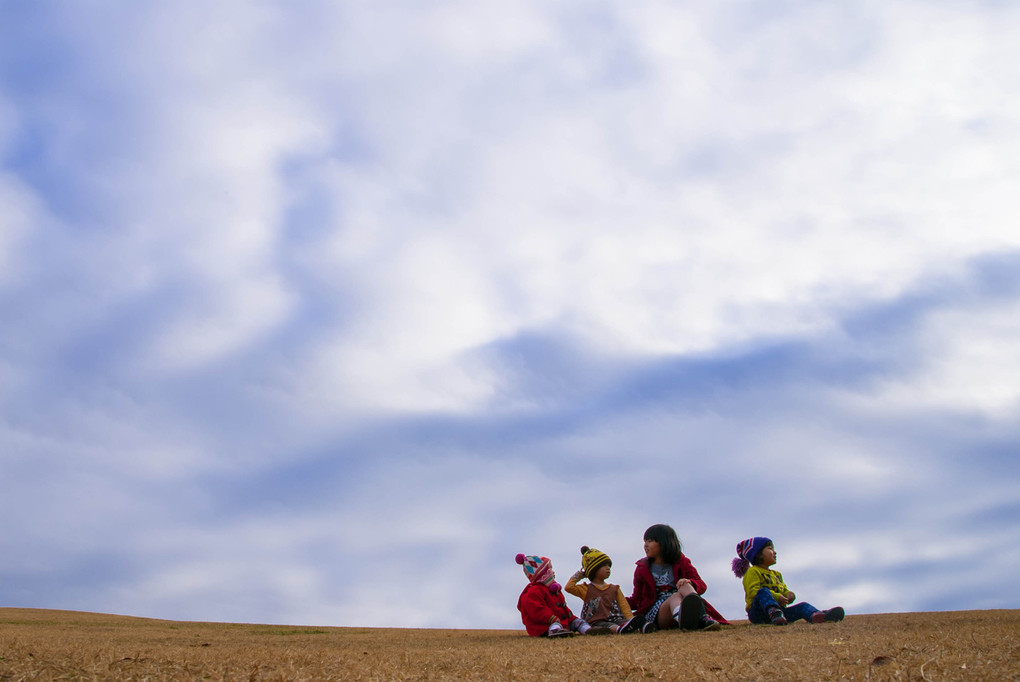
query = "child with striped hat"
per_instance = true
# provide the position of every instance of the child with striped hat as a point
(767, 598)
(605, 606)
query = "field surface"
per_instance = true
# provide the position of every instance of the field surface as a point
(58, 645)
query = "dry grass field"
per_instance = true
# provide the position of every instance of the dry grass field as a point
(63, 645)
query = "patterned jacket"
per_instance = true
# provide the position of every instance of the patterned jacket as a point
(757, 578)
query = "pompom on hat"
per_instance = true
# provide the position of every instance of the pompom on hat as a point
(747, 551)
(592, 560)
(538, 570)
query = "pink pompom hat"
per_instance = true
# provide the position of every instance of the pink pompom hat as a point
(538, 569)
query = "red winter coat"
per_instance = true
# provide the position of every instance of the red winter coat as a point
(645, 590)
(539, 608)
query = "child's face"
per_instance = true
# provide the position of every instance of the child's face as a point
(767, 556)
(603, 572)
(651, 549)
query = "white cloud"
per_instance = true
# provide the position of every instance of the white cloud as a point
(968, 362)
(648, 257)
(254, 251)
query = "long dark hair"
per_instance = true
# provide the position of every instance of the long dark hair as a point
(669, 544)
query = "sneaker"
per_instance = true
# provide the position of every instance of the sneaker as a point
(777, 617)
(599, 630)
(649, 627)
(632, 625)
(557, 630)
(692, 611)
(708, 623)
(834, 615)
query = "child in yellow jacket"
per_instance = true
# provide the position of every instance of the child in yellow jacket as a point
(767, 598)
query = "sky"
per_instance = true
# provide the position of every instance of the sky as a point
(318, 313)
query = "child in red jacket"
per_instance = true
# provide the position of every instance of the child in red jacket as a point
(667, 587)
(543, 608)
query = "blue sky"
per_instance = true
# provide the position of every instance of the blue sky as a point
(304, 302)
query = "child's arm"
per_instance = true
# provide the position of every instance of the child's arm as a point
(755, 579)
(638, 600)
(573, 588)
(624, 606)
(778, 586)
(784, 591)
(535, 608)
(688, 571)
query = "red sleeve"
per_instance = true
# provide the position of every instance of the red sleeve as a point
(641, 599)
(535, 610)
(686, 570)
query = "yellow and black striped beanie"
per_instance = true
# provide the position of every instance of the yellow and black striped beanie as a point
(592, 560)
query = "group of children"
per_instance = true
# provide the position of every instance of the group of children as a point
(667, 592)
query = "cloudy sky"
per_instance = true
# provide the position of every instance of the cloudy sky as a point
(320, 312)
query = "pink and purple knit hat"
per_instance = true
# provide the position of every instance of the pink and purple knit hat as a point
(747, 550)
(538, 569)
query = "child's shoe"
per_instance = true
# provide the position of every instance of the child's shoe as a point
(632, 625)
(692, 611)
(833, 615)
(708, 623)
(649, 627)
(599, 630)
(777, 617)
(557, 630)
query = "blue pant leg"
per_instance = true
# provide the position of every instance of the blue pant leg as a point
(758, 612)
(801, 610)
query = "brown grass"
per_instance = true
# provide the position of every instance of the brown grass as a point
(56, 645)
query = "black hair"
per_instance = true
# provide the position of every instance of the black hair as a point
(669, 544)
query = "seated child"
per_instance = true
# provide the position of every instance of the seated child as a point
(667, 587)
(605, 608)
(767, 597)
(543, 609)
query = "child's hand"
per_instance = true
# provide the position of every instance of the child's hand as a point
(683, 581)
(790, 597)
(578, 575)
(782, 600)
